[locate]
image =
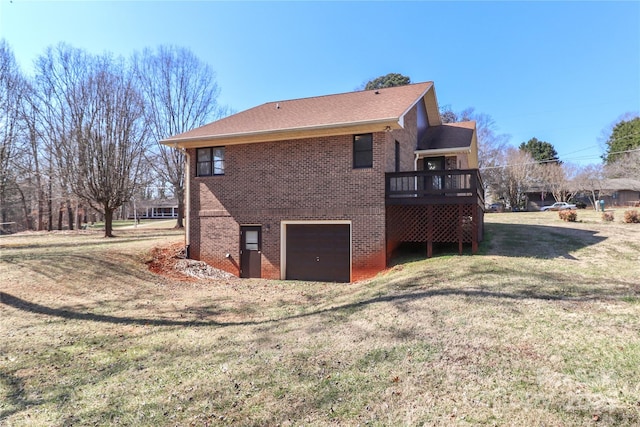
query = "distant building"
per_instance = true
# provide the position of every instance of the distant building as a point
(155, 209)
(620, 192)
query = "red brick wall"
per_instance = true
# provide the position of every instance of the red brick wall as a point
(408, 138)
(306, 179)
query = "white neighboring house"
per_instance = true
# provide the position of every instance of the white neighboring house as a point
(155, 209)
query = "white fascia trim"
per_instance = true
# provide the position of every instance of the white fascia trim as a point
(425, 153)
(283, 241)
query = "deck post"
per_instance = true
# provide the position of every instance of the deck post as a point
(460, 228)
(475, 232)
(429, 231)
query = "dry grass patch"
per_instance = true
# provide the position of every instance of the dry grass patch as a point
(541, 328)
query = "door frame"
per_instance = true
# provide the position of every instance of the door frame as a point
(283, 241)
(443, 165)
(250, 227)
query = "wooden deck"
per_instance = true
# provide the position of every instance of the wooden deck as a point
(445, 206)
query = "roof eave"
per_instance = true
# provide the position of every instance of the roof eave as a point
(378, 125)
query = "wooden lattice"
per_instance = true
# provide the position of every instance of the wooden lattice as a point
(434, 223)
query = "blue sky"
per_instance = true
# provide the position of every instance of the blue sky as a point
(558, 71)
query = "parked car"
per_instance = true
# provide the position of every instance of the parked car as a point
(558, 206)
(496, 207)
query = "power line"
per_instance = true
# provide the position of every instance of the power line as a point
(582, 149)
(554, 161)
(574, 158)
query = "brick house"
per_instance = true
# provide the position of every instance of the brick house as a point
(325, 188)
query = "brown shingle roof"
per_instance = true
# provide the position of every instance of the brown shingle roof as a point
(353, 108)
(448, 136)
(619, 184)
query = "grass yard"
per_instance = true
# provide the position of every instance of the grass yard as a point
(541, 328)
(129, 223)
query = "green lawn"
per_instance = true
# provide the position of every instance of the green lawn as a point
(542, 327)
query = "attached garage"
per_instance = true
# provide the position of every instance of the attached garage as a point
(317, 251)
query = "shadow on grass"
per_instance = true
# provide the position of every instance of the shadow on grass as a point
(536, 241)
(15, 398)
(511, 240)
(58, 393)
(527, 294)
(71, 265)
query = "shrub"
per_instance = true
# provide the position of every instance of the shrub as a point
(632, 217)
(607, 216)
(568, 215)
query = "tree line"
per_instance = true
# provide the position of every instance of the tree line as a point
(534, 167)
(81, 134)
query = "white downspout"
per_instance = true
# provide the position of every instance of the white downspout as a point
(187, 197)
(415, 169)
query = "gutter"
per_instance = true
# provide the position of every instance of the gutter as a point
(423, 153)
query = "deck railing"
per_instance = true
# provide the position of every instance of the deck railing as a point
(434, 187)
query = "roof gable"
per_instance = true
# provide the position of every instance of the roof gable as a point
(299, 117)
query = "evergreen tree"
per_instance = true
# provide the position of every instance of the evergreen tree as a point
(624, 138)
(541, 151)
(390, 80)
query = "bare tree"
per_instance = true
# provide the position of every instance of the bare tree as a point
(589, 181)
(180, 94)
(557, 178)
(34, 162)
(513, 178)
(91, 117)
(109, 137)
(11, 92)
(626, 165)
(56, 106)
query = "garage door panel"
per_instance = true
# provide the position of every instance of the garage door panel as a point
(318, 252)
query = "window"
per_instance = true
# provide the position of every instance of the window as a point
(251, 240)
(363, 151)
(397, 156)
(434, 164)
(210, 161)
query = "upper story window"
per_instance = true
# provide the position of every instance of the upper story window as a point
(363, 151)
(210, 161)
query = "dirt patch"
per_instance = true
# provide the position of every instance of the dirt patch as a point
(170, 261)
